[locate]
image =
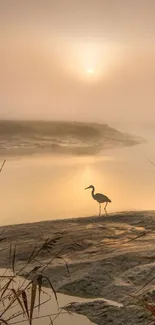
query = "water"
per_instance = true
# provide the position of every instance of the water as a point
(51, 185)
(48, 308)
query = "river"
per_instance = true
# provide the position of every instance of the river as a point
(44, 187)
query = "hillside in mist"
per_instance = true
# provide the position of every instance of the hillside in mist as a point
(26, 137)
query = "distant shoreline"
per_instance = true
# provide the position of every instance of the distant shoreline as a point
(21, 138)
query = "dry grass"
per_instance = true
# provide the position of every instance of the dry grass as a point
(26, 296)
(2, 166)
(23, 295)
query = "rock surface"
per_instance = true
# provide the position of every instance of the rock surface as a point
(108, 257)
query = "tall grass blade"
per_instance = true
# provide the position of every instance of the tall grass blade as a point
(16, 296)
(6, 288)
(55, 294)
(2, 321)
(51, 322)
(25, 302)
(63, 259)
(40, 283)
(13, 260)
(2, 166)
(33, 298)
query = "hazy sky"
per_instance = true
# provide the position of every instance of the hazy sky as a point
(77, 59)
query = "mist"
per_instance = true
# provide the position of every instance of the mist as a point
(44, 53)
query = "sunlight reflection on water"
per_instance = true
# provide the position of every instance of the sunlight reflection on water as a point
(44, 187)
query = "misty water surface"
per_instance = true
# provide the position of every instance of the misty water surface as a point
(47, 186)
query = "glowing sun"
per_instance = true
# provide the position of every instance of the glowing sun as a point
(90, 71)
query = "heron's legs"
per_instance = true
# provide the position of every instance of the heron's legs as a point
(106, 209)
(99, 209)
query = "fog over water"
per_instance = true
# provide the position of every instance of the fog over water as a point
(48, 182)
(89, 61)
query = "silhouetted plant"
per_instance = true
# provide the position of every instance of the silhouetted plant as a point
(24, 295)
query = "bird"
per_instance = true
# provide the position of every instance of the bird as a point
(100, 198)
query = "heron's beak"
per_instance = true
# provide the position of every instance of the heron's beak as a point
(86, 188)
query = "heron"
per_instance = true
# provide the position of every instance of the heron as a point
(100, 198)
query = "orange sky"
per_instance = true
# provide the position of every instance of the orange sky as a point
(48, 47)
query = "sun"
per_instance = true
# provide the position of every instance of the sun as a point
(90, 71)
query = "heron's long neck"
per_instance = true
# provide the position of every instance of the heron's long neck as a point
(92, 193)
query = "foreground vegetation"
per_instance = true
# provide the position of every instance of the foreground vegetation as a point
(22, 294)
(114, 259)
